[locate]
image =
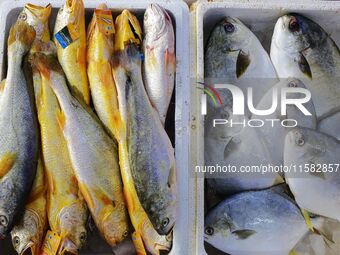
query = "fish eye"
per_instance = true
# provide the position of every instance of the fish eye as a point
(229, 28)
(293, 84)
(294, 25)
(165, 222)
(126, 233)
(300, 141)
(16, 241)
(209, 231)
(82, 236)
(3, 221)
(23, 16)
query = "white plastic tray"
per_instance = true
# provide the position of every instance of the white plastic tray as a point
(9, 10)
(260, 16)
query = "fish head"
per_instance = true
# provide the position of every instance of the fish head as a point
(73, 227)
(27, 235)
(37, 17)
(115, 225)
(71, 13)
(157, 22)
(163, 213)
(304, 145)
(21, 33)
(153, 241)
(217, 227)
(230, 35)
(128, 31)
(295, 34)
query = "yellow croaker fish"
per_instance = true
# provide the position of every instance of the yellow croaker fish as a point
(93, 155)
(66, 208)
(28, 234)
(99, 70)
(160, 62)
(70, 24)
(128, 33)
(30, 231)
(18, 131)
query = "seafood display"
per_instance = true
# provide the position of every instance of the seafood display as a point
(95, 163)
(297, 86)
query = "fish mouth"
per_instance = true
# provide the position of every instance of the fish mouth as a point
(128, 30)
(26, 250)
(159, 10)
(40, 12)
(68, 247)
(73, 5)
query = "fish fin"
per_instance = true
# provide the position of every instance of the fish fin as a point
(304, 66)
(50, 181)
(36, 194)
(170, 57)
(86, 194)
(242, 63)
(61, 119)
(138, 243)
(320, 175)
(243, 233)
(308, 221)
(279, 179)
(326, 237)
(6, 163)
(2, 85)
(292, 252)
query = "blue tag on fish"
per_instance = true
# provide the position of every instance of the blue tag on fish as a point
(67, 35)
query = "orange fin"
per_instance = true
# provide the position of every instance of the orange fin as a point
(6, 163)
(138, 243)
(86, 194)
(50, 181)
(170, 57)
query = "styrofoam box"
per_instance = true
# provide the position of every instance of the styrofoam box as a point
(179, 109)
(260, 17)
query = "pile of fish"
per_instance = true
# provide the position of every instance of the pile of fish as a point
(282, 212)
(82, 130)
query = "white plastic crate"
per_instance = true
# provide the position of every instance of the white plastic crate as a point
(260, 16)
(178, 10)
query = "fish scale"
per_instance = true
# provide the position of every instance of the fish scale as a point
(18, 130)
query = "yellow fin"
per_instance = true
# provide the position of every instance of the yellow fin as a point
(86, 194)
(6, 163)
(293, 253)
(2, 85)
(305, 215)
(61, 119)
(138, 243)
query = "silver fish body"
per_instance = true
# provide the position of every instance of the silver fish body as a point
(316, 183)
(330, 125)
(159, 64)
(300, 48)
(233, 54)
(18, 132)
(257, 222)
(274, 132)
(151, 154)
(235, 145)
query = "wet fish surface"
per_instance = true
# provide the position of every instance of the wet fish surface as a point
(300, 48)
(72, 56)
(18, 131)
(315, 190)
(255, 222)
(159, 64)
(93, 155)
